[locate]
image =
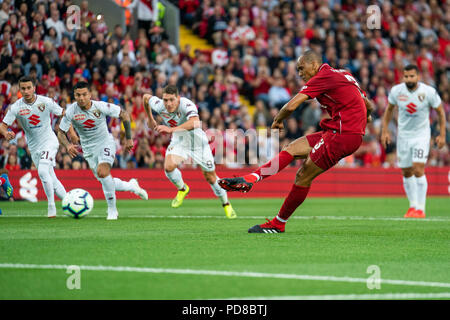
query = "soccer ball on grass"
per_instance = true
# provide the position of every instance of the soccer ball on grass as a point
(77, 203)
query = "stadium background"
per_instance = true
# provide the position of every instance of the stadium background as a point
(236, 60)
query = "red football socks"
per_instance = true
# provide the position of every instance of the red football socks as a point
(271, 168)
(295, 198)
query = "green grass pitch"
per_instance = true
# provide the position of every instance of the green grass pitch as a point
(194, 252)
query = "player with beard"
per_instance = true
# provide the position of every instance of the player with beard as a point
(414, 100)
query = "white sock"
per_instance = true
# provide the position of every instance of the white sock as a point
(422, 186)
(57, 185)
(121, 185)
(176, 178)
(410, 186)
(219, 192)
(110, 191)
(47, 182)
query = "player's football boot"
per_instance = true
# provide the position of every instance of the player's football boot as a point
(112, 214)
(51, 213)
(269, 227)
(410, 213)
(178, 201)
(229, 211)
(235, 184)
(420, 214)
(138, 190)
(7, 186)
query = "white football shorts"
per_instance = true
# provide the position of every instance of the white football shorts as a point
(412, 150)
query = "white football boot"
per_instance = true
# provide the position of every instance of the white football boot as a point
(138, 190)
(113, 214)
(51, 213)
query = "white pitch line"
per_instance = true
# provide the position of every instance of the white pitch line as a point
(226, 274)
(382, 296)
(252, 217)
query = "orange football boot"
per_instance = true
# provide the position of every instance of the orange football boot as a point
(419, 214)
(410, 213)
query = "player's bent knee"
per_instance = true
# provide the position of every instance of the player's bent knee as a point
(103, 172)
(169, 167)
(419, 171)
(407, 172)
(210, 177)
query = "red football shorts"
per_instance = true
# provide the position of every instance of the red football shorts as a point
(328, 147)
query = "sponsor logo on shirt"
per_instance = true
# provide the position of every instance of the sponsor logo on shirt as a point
(34, 119)
(41, 107)
(79, 117)
(24, 112)
(89, 124)
(411, 108)
(165, 115)
(172, 123)
(402, 98)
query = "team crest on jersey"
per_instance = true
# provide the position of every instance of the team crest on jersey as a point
(79, 117)
(421, 96)
(96, 113)
(24, 112)
(41, 107)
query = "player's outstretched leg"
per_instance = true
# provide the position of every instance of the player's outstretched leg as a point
(245, 183)
(47, 184)
(131, 186)
(295, 198)
(212, 179)
(58, 187)
(297, 148)
(5, 184)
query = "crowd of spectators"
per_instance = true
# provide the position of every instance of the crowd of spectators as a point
(255, 42)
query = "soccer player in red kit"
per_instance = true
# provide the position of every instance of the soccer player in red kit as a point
(339, 93)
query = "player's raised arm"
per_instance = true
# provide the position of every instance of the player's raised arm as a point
(385, 135)
(440, 139)
(287, 110)
(146, 98)
(125, 118)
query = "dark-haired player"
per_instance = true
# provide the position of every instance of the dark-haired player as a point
(33, 112)
(414, 100)
(339, 93)
(88, 117)
(180, 116)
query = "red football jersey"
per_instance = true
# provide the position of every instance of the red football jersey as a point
(339, 93)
